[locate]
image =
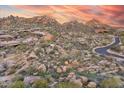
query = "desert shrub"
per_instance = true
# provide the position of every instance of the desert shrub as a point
(30, 70)
(122, 39)
(90, 75)
(40, 84)
(17, 84)
(55, 75)
(23, 34)
(22, 47)
(67, 85)
(18, 77)
(55, 33)
(111, 82)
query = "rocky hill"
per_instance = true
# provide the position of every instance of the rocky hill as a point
(12, 22)
(94, 23)
(40, 52)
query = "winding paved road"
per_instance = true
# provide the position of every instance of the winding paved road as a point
(104, 50)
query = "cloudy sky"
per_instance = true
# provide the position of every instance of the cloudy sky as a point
(113, 15)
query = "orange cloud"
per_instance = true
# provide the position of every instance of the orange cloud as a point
(113, 15)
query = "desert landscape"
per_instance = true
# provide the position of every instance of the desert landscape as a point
(40, 52)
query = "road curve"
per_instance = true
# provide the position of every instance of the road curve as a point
(103, 51)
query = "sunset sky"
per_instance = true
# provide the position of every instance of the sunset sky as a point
(113, 15)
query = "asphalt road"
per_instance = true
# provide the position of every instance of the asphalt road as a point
(103, 51)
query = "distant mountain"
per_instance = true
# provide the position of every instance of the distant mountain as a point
(46, 21)
(96, 24)
(21, 22)
(75, 26)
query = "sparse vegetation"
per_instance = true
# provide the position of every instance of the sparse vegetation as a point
(22, 48)
(30, 70)
(23, 34)
(90, 75)
(40, 84)
(67, 85)
(17, 84)
(111, 82)
(54, 33)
